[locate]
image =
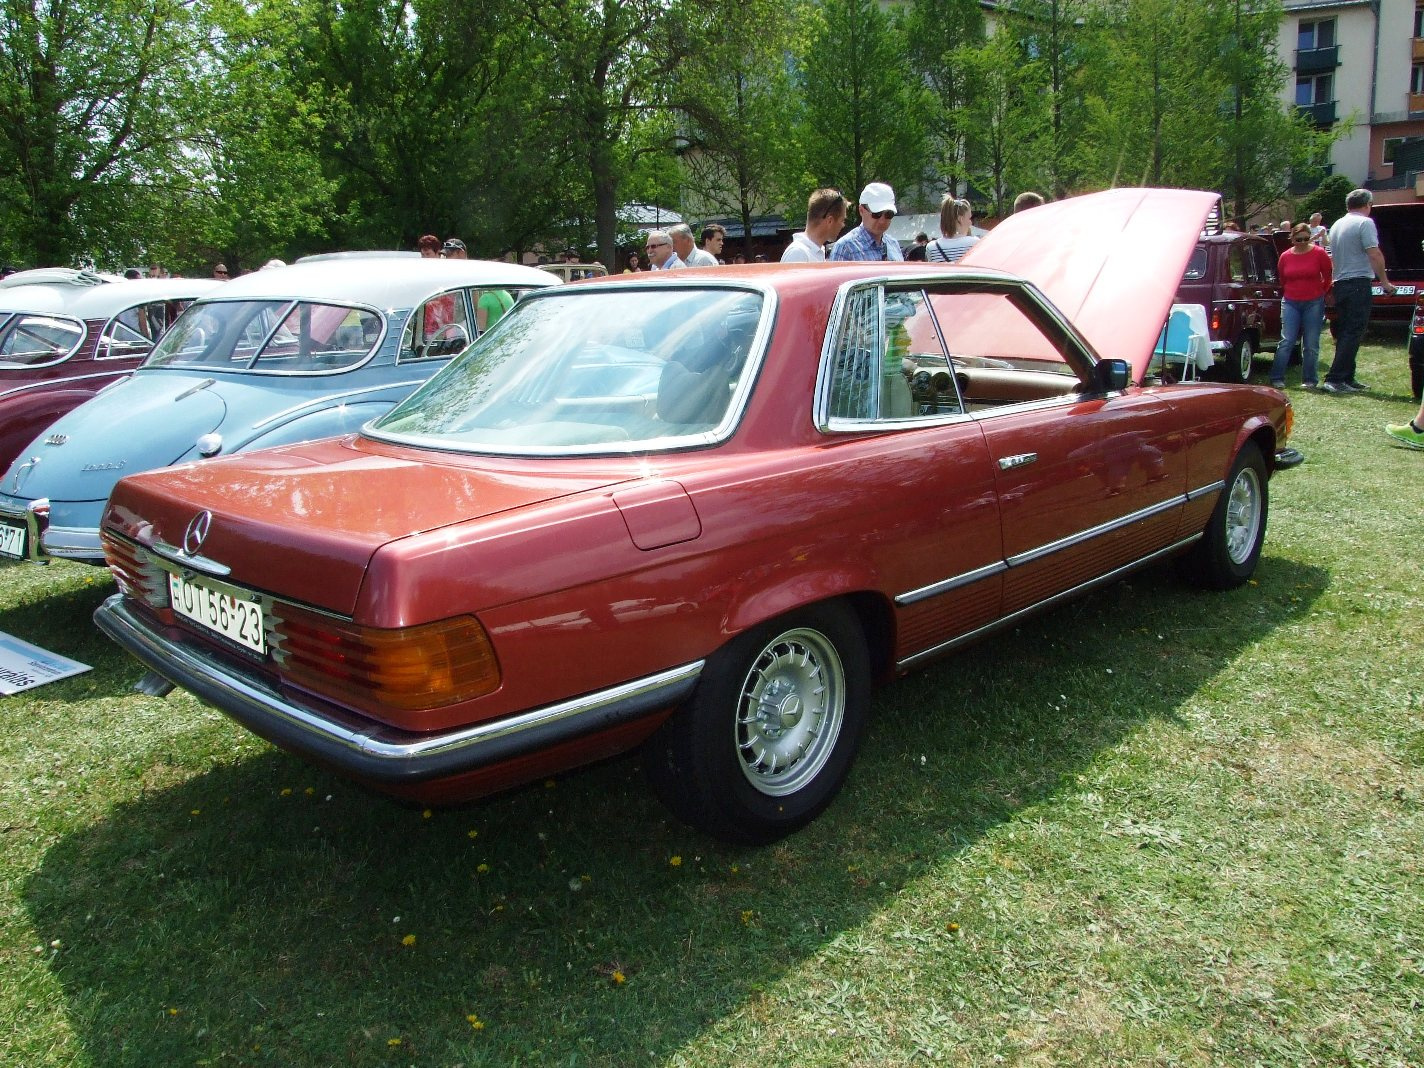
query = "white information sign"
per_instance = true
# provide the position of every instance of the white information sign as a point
(24, 666)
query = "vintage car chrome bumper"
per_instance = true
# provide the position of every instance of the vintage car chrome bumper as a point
(372, 751)
(44, 542)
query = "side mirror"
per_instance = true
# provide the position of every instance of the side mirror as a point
(1111, 376)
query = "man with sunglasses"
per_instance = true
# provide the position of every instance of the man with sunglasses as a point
(660, 252)
(867, 241)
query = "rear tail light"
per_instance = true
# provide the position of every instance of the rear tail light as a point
(134, 571)
(1215, 320)
(408, 669)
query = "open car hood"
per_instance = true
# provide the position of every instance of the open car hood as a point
(1111, 261)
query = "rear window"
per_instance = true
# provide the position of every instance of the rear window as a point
(1196, 266)
(270, 336)
(592, 371)
(36, 340)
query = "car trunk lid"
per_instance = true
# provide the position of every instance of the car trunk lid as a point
(306, 519)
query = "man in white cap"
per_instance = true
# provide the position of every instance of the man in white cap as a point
(867, 241)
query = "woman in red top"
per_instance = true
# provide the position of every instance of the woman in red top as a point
(1305, 276)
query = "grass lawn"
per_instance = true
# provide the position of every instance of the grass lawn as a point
(1155, 826)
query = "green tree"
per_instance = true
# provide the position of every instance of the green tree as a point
(1006, 119)
(1262, 144)
(97, 100)
(736, 141)
(1051, 36)
(613, 92)
(936, 34)
(863, 116)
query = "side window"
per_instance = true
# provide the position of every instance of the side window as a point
(438, 329)
(916, 353)
(1239, 266)
(1265, 261)
(855, 362)
(35, 340)
(1001, 350)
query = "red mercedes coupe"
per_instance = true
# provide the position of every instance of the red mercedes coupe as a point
(703, 512)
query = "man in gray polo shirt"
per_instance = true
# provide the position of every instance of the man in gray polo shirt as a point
(1358, 262)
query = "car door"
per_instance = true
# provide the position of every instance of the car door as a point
(910, 463)
(1086, 482)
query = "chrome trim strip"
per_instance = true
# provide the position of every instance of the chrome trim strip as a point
(51, 383)
(326, 400)
(368, 750)
(946, 585)
(175, 555)
(1215, 487)
(1048, 602)
(1092, 532)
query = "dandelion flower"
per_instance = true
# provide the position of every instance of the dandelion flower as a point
(426, 814)
(472, 833)
(676, 862)
(196, 812)
(618, 978)
(286, 791)
(408, 940)
(483, 869)
(393, 1042)
(475, 1022)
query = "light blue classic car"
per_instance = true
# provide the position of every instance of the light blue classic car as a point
(271, 358)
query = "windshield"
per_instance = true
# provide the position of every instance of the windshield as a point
(33, 340)
(593, 370)
(272, 336)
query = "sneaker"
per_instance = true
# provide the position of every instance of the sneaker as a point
(1278, 383)
(1311, 386)
(1333, 387)
(1355, 387)
(1406, 435)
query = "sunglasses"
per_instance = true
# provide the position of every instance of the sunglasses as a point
(882, 215)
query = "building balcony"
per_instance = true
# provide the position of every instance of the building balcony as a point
(1416, 104)
(1320, 114)
(1418, 49)
(1317, 60)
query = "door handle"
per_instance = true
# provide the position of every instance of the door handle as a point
(1023, 459)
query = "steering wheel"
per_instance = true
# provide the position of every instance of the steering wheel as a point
(449, 339)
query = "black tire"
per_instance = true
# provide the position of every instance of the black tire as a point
(1229, 549)
(795, 689)
(1240, 360)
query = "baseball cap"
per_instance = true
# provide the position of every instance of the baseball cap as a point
(452, 244)
(878, 196)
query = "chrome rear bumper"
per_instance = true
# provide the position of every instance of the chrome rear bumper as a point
(368, 750)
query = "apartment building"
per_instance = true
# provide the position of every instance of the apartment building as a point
(1357, 66)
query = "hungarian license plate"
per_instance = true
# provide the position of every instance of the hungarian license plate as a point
(12, 541)
(234, 617)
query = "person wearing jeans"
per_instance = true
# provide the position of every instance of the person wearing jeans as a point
(1305, 271)
(1354, 244)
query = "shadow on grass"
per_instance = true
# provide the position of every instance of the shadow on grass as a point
(262, 912)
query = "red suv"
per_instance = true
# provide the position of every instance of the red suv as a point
(1233, 277)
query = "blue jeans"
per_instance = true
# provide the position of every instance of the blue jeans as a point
(1352, 315)
(1300, 320)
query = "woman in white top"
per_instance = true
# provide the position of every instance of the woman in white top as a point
(955, 217)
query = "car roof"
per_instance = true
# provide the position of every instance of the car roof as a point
(383, 282)
(99, 301)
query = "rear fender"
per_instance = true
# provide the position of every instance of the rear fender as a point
(783, 593)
